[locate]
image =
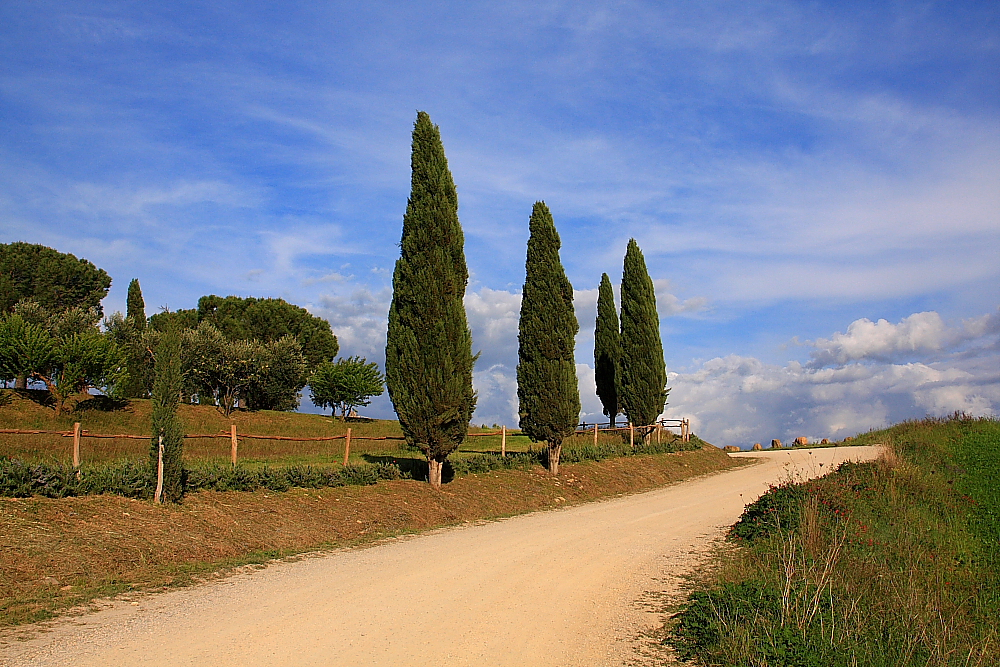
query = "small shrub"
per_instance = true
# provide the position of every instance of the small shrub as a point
(777, 510)
(22, 480)
(134, 479)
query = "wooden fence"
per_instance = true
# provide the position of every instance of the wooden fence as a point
(78, 434)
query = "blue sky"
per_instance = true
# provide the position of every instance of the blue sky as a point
(816, 186)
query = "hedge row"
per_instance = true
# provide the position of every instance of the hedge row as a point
(134, 479)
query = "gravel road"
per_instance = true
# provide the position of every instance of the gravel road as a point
(562, 587)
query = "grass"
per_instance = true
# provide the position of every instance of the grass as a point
(22, 412)
(893, 562)
(59, 553)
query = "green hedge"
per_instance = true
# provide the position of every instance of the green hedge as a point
(134, 479)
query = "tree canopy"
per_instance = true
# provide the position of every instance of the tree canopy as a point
(428, 352)
(642, 376)
(65, 351)
(264, 320)
(607, 349)
(57, 281)
(135, 305)
(265, 375)
(547, 390)
(345, 384)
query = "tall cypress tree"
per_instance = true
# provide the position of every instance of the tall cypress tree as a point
(607, 349)
(135, 307)
(166, 390)
(547, 390)
(428, 352)
(642, 375)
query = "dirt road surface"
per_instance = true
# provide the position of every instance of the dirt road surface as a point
(552, 588)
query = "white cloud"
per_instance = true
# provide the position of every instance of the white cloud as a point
(741, 400)
(359, 321)
(919, 334)
(668, 304)
(493, 317)
(496, 389)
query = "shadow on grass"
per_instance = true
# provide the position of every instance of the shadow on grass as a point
(102, 404)
(40, 396)
(412, 467)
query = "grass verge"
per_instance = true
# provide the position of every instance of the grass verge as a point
(892, 562)
(59, 553)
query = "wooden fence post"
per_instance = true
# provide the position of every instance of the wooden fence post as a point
(347, 446)
(235, 443)
(595, 435)
(76, 448)
(659, 427)
(503, 441)
(631, 435)
(158, 496)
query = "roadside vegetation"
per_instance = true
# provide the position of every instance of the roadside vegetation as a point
(42, 464)
(892, 562)
(59, 553)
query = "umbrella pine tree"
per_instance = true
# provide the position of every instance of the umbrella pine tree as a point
(547, 390)
(607, 349)
(428, 352)
(642, 374)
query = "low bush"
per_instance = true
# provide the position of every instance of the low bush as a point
(134, 479)
(778, 509)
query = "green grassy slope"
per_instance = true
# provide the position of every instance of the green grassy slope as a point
(893, 562)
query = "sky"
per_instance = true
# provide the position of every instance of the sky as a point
(815, 185)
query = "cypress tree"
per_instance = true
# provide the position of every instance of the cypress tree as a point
(547, 390)
(642, 375)
(428, 352)
(607, 349)
(166, 390)
(135, 307)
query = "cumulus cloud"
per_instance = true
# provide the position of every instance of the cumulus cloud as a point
(739, 400)
(359, 321)
(668, 304)
(855, 381)
(919, 334)
(493, 316)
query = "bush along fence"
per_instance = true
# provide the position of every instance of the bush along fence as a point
(137, 479)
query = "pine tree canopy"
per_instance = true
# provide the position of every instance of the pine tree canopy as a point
(642, 374)
(547, 390)
(607, 348)
(428, 350)
(135, 307)
(57, 281)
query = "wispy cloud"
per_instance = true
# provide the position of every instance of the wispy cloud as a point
(818, 163)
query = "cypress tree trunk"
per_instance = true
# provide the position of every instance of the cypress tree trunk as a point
(547, 390)
(642, 376)
(135, 307)
(428, 352)
(607, 348)
(166, 389)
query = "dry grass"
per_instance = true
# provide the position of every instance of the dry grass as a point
(57, 553)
